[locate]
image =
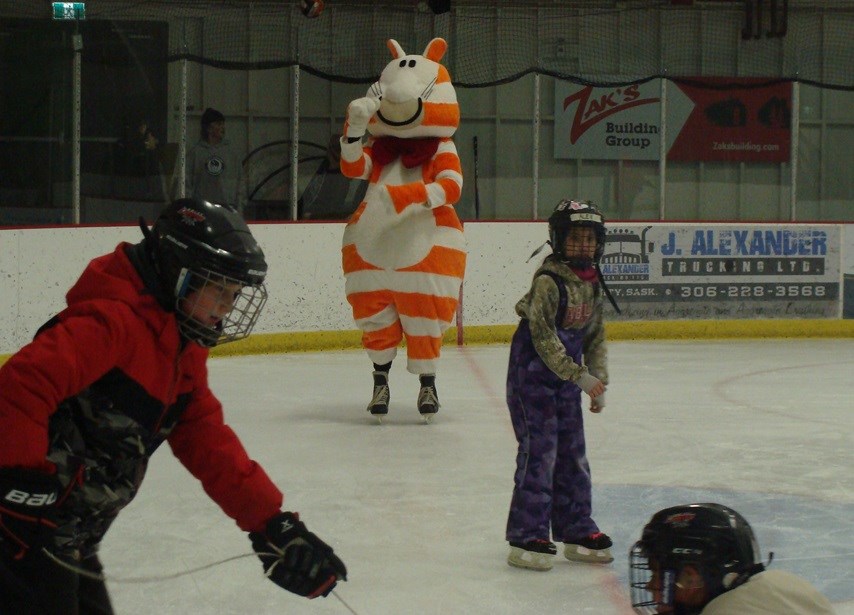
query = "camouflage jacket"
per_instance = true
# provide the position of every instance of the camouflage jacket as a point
(101, 387)
(584, 302)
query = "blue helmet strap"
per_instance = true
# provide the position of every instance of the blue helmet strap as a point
(182, 284)
(668, 587)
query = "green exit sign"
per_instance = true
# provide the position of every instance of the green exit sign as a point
(69, 10)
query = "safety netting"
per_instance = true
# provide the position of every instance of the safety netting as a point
(497, 42)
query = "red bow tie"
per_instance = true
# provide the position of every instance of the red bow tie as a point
(412, 152)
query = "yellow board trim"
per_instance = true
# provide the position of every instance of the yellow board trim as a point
(500, 334)
(312, 341)
(688, 330)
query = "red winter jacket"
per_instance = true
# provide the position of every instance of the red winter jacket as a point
(102, 386)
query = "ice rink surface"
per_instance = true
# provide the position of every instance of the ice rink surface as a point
(417, 512)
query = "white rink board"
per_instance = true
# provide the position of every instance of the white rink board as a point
(37, 266)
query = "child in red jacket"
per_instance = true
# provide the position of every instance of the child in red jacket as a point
(109, 379)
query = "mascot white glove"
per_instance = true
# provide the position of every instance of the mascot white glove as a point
(359, 113)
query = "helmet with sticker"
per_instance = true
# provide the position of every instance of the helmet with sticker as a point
(711, 540)
(205, 252)
(569, 214)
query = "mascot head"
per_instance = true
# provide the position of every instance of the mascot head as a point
(416, 96)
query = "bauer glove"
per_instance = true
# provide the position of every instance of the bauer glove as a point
(27, 499)
(295, 559)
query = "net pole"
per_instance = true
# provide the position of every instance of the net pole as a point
(793, 154)
(535, 164)
(77, 43)
(662, 152)
(182, 128)
(295, 140)
(476, 188)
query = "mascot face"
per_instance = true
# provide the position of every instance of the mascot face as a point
(416, 96)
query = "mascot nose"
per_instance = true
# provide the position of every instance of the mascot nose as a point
(403, 87)
(400, 102)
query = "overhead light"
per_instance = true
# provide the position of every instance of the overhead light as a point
(311, 8)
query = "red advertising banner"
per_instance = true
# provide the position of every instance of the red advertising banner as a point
(749, 124)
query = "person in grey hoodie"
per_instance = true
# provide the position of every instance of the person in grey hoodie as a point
(214, 169)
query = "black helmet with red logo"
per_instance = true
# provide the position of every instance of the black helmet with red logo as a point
(717, 541)
(198, 244)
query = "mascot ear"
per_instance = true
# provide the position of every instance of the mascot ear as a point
(435, 49)
(395, 48)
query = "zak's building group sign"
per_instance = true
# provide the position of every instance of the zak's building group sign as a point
(665, 271)
(705, 121)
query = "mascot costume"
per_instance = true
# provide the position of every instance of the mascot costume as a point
(404, 252)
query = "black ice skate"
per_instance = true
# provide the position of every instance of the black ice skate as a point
(592, 549)
(533, 555)
(428, 399)
(379, 402)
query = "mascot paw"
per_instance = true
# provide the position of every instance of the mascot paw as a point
(359, 113)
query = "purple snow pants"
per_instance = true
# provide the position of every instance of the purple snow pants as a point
(552, 480)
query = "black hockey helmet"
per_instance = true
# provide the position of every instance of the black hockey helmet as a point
(712, 538)
(198, 245)
(570, 213)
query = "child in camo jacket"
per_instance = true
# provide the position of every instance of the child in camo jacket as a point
(558, 351)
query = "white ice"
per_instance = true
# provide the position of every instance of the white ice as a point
(417, 512)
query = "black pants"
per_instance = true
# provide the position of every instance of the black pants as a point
(36, 585)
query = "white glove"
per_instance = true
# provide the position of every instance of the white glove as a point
(359, 113)
(588, 382)
(597, 404)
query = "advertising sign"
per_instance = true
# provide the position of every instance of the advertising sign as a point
(608, 123)
(711, 271)
(716, 122)
(750, 124)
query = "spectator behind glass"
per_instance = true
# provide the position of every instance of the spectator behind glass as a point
(138, 148)
(214, 168)
(137, 163)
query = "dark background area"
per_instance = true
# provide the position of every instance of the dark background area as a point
(124, 79)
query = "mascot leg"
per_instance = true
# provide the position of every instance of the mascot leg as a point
(424, 320)
(376, 316)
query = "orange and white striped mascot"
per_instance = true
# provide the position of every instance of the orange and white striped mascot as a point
(404, 252)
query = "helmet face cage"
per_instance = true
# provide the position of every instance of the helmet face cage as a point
(211, 269)
(649, 595)
(202, 295)
(712, 538)
(640, 579)
(570, 214)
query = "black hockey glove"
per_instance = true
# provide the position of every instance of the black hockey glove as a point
(296, 559)
(27, 499)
